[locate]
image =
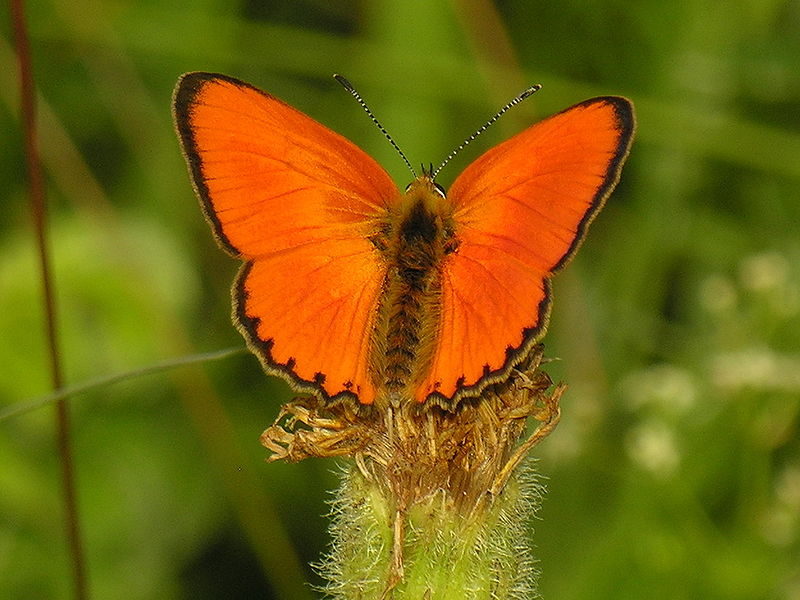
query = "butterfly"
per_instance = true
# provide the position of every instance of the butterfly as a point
(353, 288)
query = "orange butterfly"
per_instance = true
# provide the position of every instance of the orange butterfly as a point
(353, 288)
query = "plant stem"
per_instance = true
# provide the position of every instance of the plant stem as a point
(485, 555)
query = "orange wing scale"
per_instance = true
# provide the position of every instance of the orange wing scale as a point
(298, 202)
(521, 209)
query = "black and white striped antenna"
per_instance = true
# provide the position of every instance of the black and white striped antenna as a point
(519, 98)
(530, 91)
(349, 87)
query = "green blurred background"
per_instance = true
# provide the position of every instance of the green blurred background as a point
(675, 472)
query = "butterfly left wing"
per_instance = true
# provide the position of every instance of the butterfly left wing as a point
(298, 203)
(521, 211)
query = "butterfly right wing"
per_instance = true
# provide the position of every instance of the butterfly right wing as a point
(522, 210)
(298, 203)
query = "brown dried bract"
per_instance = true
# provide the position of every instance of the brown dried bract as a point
(413, 451)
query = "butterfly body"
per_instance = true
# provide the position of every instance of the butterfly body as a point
(351, 289)
(418, 237)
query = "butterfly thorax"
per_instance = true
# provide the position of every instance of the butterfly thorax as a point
(414, 242)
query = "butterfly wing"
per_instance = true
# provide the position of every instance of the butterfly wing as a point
(521, 210)
(298, 203)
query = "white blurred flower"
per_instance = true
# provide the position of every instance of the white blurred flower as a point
(652, 446)
(780, 523)
(764, 272)
(787, 489)
(787, 304)
(758, 368)
(791, 589)
(664, 386)
(718, 294)
(779, 526)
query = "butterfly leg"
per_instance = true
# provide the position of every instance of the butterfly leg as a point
(304, 429)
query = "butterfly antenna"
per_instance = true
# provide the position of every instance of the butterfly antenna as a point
(530, 91)
(349, 87)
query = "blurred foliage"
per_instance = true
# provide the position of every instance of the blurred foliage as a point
(675, 472)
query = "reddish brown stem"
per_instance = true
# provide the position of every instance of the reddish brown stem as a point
(39, 211)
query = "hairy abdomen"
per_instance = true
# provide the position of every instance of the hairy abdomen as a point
(409, 310)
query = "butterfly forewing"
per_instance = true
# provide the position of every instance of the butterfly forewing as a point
(299, 203)
(521, 210)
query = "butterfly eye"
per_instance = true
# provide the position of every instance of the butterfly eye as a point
(439, 189)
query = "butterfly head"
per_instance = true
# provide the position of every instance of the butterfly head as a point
(426, 213)
(425, 184)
